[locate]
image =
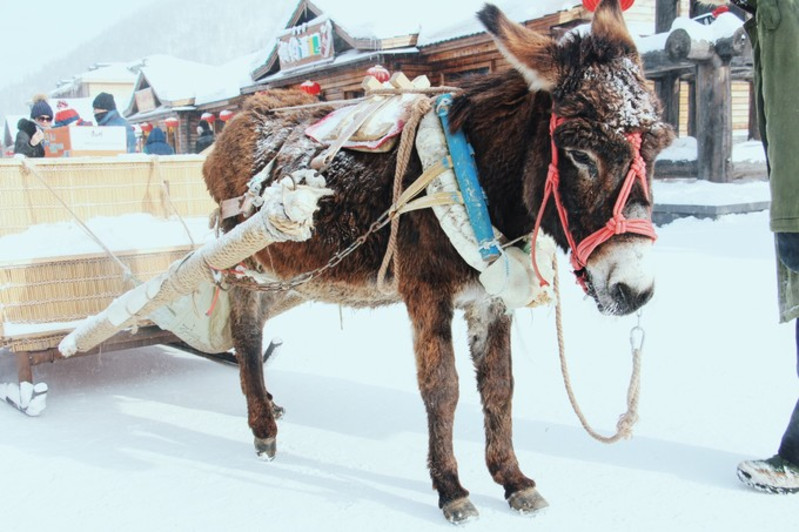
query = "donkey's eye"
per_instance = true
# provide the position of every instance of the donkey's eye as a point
(581, 158)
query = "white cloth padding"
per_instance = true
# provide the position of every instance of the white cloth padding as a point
(511, 277)
(187, 320)
(432, 148)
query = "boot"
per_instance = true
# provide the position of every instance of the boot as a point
(774, 475)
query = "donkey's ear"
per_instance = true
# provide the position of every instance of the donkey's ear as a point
(609, 23)
(527, 51)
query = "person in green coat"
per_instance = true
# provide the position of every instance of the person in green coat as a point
(774, 32)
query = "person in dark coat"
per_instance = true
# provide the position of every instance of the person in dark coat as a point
(30, 135)
(206, 136)
(106, 114)
(156, 143)
(27, 132)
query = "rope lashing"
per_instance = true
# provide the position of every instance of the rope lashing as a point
(419, 108)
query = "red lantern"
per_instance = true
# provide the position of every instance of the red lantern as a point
(146, 127)
(225, 115)
(721, 9)
(380, 73)
(310, 87)
(171, 122)
(208, 117)
(590, 5)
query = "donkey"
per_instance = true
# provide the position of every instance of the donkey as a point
(606, 125)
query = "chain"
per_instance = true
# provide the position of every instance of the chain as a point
(290, 284)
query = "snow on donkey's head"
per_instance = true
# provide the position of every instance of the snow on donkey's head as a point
(606, 133)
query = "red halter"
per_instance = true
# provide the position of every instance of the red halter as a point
(617, 225)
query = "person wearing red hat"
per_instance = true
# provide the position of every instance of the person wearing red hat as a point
(66, 115)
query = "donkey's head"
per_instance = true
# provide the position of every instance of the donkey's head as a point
(605, 133)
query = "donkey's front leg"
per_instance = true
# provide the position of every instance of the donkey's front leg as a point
(247, 322)
(489, 341)
(438, 384)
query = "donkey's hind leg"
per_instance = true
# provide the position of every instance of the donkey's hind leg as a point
(248, 314)
(489, 341)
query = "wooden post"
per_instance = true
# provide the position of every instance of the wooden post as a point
(691, 126)
(714, 119)
(667, 88)
(665, 13)
(754, 126)
(24, 371)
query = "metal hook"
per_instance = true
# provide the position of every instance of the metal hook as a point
(637, 334)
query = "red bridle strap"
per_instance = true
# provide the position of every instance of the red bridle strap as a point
(617, 225)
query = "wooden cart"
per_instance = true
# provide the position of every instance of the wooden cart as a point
(43, 297)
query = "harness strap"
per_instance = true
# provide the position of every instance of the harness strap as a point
(432, 200)
(251, 200)
(618, 224)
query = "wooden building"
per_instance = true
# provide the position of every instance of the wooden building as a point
(345, 54)
(332, 45)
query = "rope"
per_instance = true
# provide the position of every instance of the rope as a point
(30, 169)
(420, 108)
(624, 427)
(156, 169)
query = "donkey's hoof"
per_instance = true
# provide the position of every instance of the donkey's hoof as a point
(527, 501)
(265, 448)
(460, 511)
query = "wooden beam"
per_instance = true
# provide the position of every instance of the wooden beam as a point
(657, 63)
(680, 46)
(714, 120)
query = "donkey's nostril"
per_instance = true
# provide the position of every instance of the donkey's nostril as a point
(628, 299)
(623, 294)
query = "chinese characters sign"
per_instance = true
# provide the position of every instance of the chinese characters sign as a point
(305, 44)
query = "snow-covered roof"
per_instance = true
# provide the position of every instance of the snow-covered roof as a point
(228, 80)
(173, 79)
(432, 21)
(105, 73)
(110, 73)
(350, 56)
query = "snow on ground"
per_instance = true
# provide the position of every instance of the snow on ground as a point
(155, 439)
